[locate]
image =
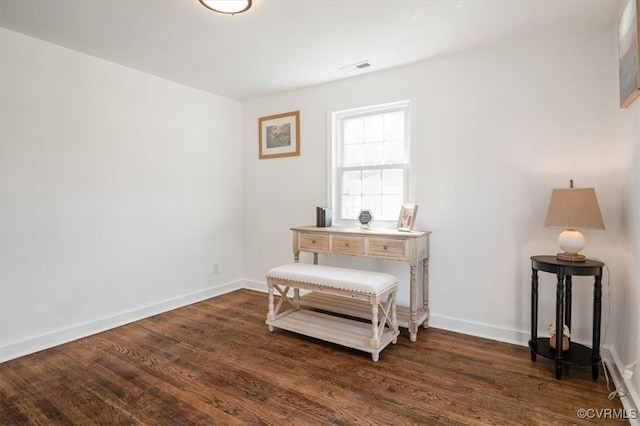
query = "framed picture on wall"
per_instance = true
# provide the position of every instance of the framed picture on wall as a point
(279, 135)
(629, 54)
(407, 217)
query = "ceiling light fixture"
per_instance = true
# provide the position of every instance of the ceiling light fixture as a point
(229, 7)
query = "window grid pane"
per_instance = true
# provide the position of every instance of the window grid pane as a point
(394, 125)
(353, 131)
(373, 203)
(354, 155)
(374, 128)
(375, 139)
(391, 207)
(372, 182)
(352, 182)
(351, 206)
(379, 190)
(372, 162)
(393, 181)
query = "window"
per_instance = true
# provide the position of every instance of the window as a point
(370, 161)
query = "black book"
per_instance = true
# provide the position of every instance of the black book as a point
(327, 217)
(323, 217)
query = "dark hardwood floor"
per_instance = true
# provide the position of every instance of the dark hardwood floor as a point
(215, 363)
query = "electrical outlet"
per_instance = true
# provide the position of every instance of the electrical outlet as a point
(215, 268)
(628, 370)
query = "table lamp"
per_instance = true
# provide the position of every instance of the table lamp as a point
(572, 208)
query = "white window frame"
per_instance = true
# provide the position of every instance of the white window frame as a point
(335, 161)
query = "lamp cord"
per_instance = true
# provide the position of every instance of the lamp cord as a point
(615, 392)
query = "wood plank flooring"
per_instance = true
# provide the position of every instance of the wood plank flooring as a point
(215, 363)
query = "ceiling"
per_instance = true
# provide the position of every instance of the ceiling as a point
(285, 44)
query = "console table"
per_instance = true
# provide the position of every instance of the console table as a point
(577, 354)
(385, 244)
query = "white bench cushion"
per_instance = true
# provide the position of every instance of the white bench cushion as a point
(328, 276)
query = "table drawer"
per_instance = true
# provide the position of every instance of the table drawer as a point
(314, 242)
(388, 248)
(347, 245)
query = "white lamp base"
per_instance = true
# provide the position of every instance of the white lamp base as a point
(572, 242)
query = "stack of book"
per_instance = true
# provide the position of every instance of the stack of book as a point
(323, 217)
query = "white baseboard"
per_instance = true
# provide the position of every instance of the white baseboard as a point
(255, 285)
(478, 329)
(631, 400)
(49, 340)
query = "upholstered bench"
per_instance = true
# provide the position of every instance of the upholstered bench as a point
(379, 289)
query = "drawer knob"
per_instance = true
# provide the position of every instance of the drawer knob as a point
(313, 241)
(385, 247)
(346, 244)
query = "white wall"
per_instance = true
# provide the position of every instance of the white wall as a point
(626, 279)
(119, 192)
(493, 130)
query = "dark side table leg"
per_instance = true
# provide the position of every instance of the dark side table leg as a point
(533, 343)
(558, 370)
(597, 317)
(567, 300)
(559, 323)
(568, 284)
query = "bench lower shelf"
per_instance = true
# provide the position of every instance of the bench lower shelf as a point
(355, 308)
(342, 331)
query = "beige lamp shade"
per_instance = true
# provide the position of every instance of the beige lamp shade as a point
(572, 208)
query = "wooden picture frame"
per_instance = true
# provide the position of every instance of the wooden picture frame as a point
(407, 217)
(629, 53)
(279, 135)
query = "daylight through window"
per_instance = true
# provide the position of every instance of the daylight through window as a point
(371, 157)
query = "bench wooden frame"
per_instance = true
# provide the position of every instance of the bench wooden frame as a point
(368, 337)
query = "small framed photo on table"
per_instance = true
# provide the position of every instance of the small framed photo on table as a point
(407, 217)
(279, 135)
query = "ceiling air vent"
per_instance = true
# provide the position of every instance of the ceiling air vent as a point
(356, 67)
